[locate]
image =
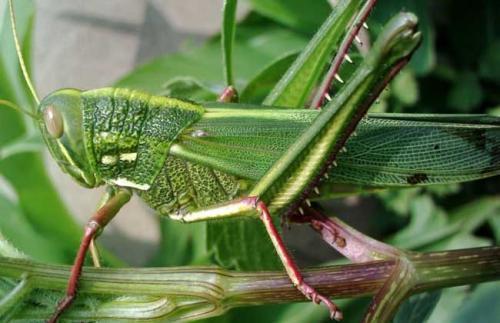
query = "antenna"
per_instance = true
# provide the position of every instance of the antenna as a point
(20, 56)
(17, 108)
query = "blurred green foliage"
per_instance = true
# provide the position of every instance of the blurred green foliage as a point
(456, 70)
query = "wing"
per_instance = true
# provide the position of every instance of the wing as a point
(402, 150)
(388, 150)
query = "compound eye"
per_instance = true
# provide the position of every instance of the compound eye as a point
(53, 122)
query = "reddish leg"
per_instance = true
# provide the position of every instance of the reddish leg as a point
(290, 266)
(92, 229)
(246, 206)
(228, 95)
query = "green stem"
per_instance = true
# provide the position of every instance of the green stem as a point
(15, 297)
(419, 272)
(194, 292)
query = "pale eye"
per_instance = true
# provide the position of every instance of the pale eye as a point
(53, 122)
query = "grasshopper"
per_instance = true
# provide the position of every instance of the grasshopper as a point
(174, 154)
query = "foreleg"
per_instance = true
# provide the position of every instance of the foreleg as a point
(92, 229)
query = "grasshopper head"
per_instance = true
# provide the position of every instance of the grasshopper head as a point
(61, 124)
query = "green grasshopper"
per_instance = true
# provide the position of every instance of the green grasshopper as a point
(206, 161)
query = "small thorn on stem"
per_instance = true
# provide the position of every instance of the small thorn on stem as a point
(308, 202)
(338, 78)
(365, 25)
(326, 175)
(316, 190)
(354, 134)
(340, 242)
(334, 163)
(358, 40)
(328, 97)
(229, 95)
(348, 58)
(301, 211)
(343, 149)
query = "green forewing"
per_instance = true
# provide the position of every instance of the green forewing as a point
(413, 150)
(388, 150)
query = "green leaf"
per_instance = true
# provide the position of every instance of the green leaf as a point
(399, 201)
(481, 306)
(405, 87)
(302, 312)
(188, 88)
(242, 244)
(489, 64)
(296, 85)
(255, 46)
(257, 89)
(451, 300)
(417, 308)
(424, 215)
(15, 228)
(466, 93)
(460, 304)
(305, 16)
(181, 244)
(227, 38)
(450, 232)
(8, 250)
(459, 241)
(471, 216)
(28, 143)
(424, 59)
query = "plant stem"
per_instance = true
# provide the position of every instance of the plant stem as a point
(196, 292)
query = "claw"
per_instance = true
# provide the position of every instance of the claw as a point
(311, 294)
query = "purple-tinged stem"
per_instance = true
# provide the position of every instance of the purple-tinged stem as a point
(217, 290)
(351, 243)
